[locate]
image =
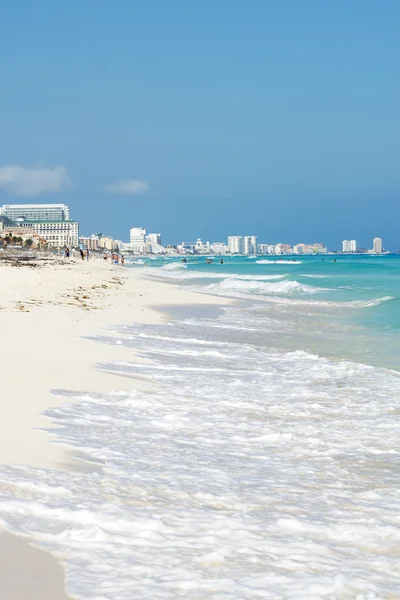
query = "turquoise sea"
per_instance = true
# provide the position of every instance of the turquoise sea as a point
(339, 305)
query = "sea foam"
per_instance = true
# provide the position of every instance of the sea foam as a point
(263, 287)
(279, 262)
(247, 472)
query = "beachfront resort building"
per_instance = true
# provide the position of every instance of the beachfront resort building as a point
(142, 243)
(50, 222)
(250, 244)
(235, 244)
(58, 234)
(137, 240)
(219, 248)
(377, 246)
(197, 247)
(349, 246)
(35, 212)
(98, 241)
(154, 238)
(137, 235)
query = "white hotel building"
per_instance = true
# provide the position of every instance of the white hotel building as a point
(377, 245)
(235, 244)
(349, 246)
(50, 221)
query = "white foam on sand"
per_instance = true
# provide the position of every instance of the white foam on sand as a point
(249, 473)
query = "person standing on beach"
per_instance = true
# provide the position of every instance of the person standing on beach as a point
(87, 254)
(122, 260)
(66, 253)
(82, 254)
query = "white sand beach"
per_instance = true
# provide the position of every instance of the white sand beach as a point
(45, 313)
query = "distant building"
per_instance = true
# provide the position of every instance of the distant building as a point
(108, 243)
(202, 247)
(299, 249)
(35, 212)
(153, 243)
(247, 245)
(154, 238)
(377, 245)
(137, 240)
(137, 235)
(265, 248)
(262, 248)
(98, 242)
(51, 222)
(219, 248)
(57, 234)
(235, 244)
(250, 244)
(89, 242)
(349, 246)
(310, 249)
(315, 249)
(25, 233)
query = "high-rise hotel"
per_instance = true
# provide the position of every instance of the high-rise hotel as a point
(50, 222)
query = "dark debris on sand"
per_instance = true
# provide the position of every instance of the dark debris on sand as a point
(27, 260)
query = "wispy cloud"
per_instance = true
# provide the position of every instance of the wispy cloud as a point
(128, 187)
(25, 181)
(216, 194)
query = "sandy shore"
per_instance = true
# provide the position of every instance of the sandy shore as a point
(45, 313)
(27, 572)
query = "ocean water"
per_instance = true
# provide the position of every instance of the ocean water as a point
(349, 308)
(263, 461)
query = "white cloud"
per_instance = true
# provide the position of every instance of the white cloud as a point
(25, 181)
(128, 187)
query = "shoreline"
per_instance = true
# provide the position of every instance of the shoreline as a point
(47, 315)
(151, 455)
(28, 572)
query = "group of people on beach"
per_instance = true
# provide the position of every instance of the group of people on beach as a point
(84, 253)
(115, 258)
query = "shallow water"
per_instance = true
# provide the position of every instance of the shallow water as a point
(256, 468)
(345, 309)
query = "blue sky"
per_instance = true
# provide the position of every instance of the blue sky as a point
(206, 119)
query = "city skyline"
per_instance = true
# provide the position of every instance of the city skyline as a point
(292, 240)
(52, 222)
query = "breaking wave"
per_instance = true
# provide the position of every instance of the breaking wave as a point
(263, 287)
(279, 262)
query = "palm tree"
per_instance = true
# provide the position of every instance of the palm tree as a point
(28, 243)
